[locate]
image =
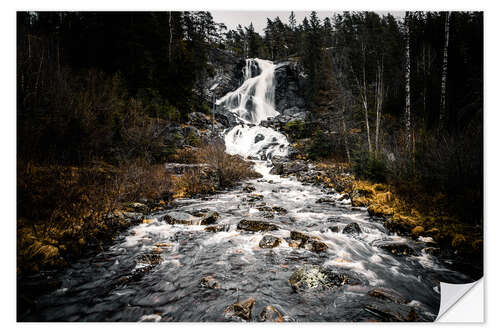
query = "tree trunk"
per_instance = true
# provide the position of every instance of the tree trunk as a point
(380, 97)
(444, 72)
(365, 99)
(407, 84)
(170, 39)
(344, 130)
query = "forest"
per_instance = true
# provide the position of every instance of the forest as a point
(103, 97)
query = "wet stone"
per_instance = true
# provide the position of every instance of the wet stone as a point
(209, 282)
(248, 189)
(271, 314)
(387, 294)
(352, 229)
(399, 249)
(218, 228)
(149, 259)
(279, 210)
(241, 310)
(433, 251)
(334, 228)
(316, 277)
(259, 137)
(314, 246)
(181, 218)
(269, 241)
(209, 218)
(254, 225)
(255, 197)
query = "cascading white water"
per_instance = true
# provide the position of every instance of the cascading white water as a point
(253, 102)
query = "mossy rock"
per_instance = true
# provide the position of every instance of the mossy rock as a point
(417, 231)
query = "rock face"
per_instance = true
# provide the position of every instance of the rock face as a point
(352, 229)
(254, 225)
(241, 310)
(290, 85)
(268, 242)
(271, 314)
(318, 278)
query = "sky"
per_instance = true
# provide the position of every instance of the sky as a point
(259, 18)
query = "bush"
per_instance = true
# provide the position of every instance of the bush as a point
(368, 166)
(322, 146)
(230, 169)
(296, 129)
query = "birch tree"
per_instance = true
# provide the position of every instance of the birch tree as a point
(379, 96)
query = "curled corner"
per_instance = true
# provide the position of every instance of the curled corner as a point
(451, 294)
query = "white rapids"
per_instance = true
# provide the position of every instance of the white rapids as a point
(253, 102)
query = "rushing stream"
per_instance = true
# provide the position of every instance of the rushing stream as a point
(97, 288)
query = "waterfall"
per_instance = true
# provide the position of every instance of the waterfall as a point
(253, 102)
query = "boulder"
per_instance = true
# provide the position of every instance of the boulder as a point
(181, 218)
(397, 248)
(280, 210)
(334, 228)
(259, 137)
(209, 282)
(313, 277)
(310, 243)
(269, 242)
(352, 229)
(241, 310)
(433, 251)
(271, 314)
(218, 228)
(249, 188)
(209, 218)
(388, 295)
(314, 246)
(149, 259)
(255, 225)
(255, 197)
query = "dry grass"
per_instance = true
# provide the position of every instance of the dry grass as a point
(61, 209)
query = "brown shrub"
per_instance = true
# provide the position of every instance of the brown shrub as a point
(63, 208)
(230, 169)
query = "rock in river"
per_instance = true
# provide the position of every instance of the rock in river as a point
(271, 314)
(181, 218)
(209, 218)
(397, 248)
(217, 228)
(241, 309)
(259, 137)
(316, 277)
(254, 225)
(269, 242)
(387, 294)
(209, 282)
(352, 229)
(307, 242)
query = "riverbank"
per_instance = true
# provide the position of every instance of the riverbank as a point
(425, 217)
